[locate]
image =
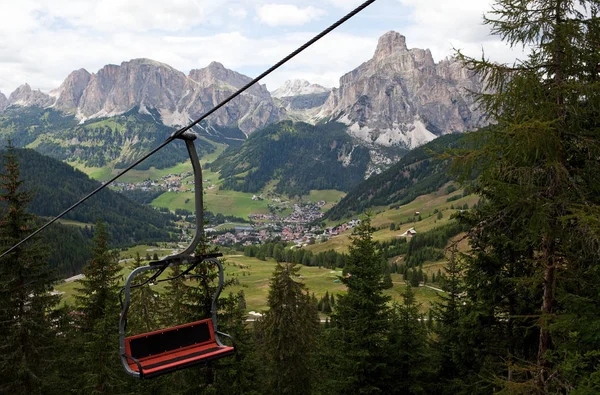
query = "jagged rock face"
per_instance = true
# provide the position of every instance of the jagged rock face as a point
(299, 100)
(69, 94)
(147, 84)
(25, 96)
(217, 74)
(250, 111)
(3, 101)
(401, 97)
(298, 88)
(179, 98)
(139, 82)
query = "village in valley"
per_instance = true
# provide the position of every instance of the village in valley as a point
(291, 221)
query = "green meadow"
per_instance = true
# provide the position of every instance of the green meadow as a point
(254, 275)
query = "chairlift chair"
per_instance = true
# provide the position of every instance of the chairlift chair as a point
(166, 350)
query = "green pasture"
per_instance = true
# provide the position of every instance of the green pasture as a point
(254, 276)
(331, 196)
(75, 223)
(106, 172)
(227, 202)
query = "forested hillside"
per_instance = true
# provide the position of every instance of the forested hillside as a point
(301, 157)
(420, 172)
(117, 140)
(56, 186)
(68, 248)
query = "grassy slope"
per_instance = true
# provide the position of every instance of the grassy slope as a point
(382, 220)
(105, 173)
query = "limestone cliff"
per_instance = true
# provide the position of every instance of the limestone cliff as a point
(401, 97)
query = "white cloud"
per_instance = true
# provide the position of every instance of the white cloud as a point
(287, 14)
(131, 15)
(42, 41)
(238, 12)
(345, 4)
(442, 25)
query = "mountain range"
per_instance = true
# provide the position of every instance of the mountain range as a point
(394, 102)
(147, 84)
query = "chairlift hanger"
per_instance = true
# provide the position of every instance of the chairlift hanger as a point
(166, 350)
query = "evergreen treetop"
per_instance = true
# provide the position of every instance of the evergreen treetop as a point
(27, 332)
(539, 228)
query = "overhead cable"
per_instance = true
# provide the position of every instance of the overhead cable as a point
(179, 132)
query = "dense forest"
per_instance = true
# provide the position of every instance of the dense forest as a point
(300, 156)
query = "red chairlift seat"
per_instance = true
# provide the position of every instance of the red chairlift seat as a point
(163, 351)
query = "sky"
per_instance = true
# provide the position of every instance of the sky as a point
(42, 41)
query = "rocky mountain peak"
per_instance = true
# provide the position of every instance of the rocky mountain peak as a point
(138, 82)
(146, 61)
(215, 72)
(297, 88)
(25, 96)
(217, 75)
(402, 97)
(390, 44)
(70, 91)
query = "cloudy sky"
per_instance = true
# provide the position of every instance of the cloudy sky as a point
(42, 41)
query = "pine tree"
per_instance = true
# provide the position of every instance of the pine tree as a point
(454, 352)
(236, 375)
(287, 334)
(98, 304)
(27, 331)
(326, 304)
(387, 279)
(358, 338)
(538, 167)
(146, 304)
(414, 278)
(177, 309)
(409, 356)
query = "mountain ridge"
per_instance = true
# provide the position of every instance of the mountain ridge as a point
(298, 156)
(145, 83)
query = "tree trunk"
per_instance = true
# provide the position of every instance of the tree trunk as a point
(547, 308)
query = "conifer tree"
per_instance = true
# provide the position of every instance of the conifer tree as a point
(98, 304)
(409, 357)
(287, 334)
(146, 304)
(538, 167)
(27, 331)
(387, 278)
(177, 309)
(358, 338)
(453, 352)
(236, 375)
